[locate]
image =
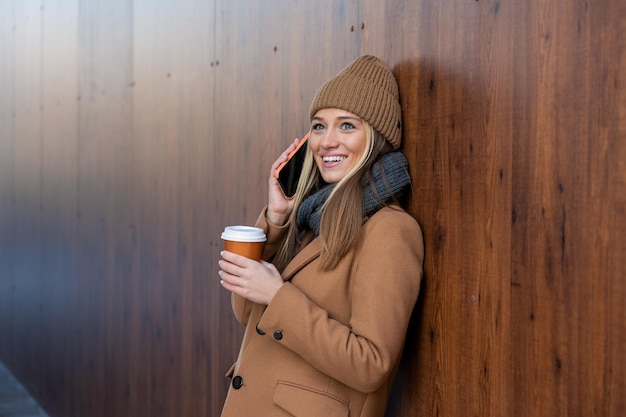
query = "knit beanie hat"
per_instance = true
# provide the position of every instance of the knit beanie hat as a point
(368, 89)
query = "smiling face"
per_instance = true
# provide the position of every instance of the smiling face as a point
(338, 142)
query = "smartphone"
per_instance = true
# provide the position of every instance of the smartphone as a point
(288, 172)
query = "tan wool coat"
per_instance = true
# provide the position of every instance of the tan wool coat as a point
(329, 343)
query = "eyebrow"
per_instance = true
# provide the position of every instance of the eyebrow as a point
(340, 118)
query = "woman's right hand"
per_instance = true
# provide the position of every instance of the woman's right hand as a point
(279, 207)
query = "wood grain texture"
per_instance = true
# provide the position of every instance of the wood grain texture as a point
(105, 250)
(7, 172)
(457, 89)
(27, 176)
(58, 143)
(132, 132)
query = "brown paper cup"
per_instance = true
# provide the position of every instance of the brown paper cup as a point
(244, 240)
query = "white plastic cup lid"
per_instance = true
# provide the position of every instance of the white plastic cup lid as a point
(243, 234)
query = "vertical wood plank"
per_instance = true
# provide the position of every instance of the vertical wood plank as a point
(106, 245)
(59, 137)
(27, 177)
(193, 89)
(155, 162)
(7, 182)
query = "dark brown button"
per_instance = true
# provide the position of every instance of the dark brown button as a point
(237, 382)
(278, 335)
(259, 331)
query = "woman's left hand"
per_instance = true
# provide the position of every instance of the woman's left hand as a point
(257, 281)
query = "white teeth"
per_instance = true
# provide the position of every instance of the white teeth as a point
(333, 158)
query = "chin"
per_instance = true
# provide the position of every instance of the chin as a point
(332, 179)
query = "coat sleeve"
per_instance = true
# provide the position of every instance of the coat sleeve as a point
(275, 234)
(384, 282)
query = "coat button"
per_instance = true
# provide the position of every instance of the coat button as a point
(237, 382)
(259, 331)
(278, 335)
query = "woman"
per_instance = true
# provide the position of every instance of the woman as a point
(326, 319)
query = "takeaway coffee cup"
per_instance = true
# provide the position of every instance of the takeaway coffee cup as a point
(244, 240)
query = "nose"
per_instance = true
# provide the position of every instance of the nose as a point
(328, 140)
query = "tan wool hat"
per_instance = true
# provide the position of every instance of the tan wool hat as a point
(367, 88)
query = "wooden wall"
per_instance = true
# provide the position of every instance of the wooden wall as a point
(131, 132)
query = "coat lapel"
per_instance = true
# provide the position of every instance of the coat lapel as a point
(304, 257)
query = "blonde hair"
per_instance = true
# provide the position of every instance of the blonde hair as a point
(345, 202)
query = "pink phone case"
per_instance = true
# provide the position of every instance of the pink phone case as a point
(291, 154)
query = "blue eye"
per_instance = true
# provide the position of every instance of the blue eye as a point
(347, 126)
(317, 126)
